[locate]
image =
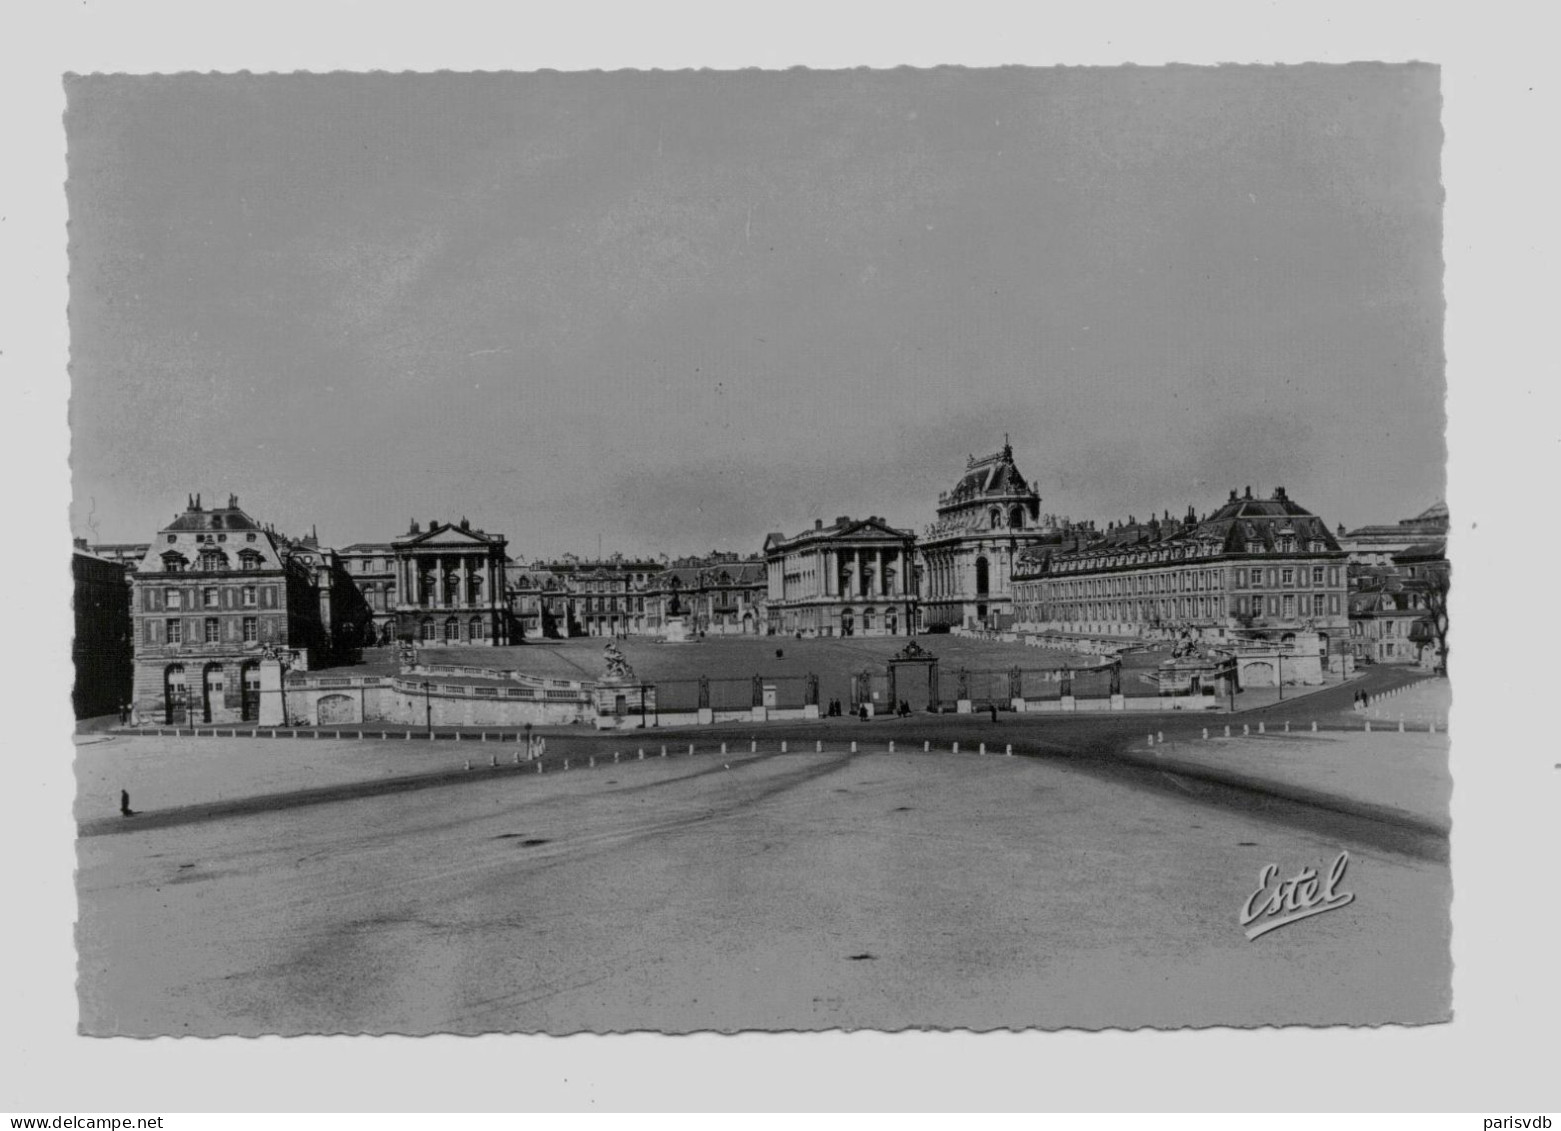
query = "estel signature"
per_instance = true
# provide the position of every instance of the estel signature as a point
(1303, 895)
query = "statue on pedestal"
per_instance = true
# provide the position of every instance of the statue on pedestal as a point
(617, 666)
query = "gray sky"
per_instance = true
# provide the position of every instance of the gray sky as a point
(678, 310)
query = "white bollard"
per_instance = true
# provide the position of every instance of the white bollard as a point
(517, 757)
(615, 757)
(409, 736)
(1400, 726)
(1151, 738)
(1287, 726)
(783, 747)
(493, 760)
(1314, 726)
(818, 748)
(1261, 729)
(891, 746)
(1009, 750)
(926, 747)
(982, 750)
(853, 747)
(753, 748)
(468, 763)
(539, 766)
(663, 751)
(1368, 726)
(1246, 729)
(1160, 738)
(457, 736)
(566, 763)
(690, 749)
(642, 754)
(955, 748)
(1205, 733)
(1227, 730)
(591, 763)
(723, 748)
(483, 737)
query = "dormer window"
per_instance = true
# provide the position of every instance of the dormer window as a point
(249, 559)
(174, 562)
(213, 559)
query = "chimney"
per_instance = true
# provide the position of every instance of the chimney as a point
(197, 501)
(414, 529)
(1279, 493)
(233, 502)
(1249, 492)
(79, 543)
(1233, 494)
(818, 524)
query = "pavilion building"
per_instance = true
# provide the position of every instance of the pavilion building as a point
(854, 577)
(990, 517)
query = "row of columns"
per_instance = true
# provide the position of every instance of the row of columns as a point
(409, 572)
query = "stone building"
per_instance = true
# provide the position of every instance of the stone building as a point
(1254, 569)
(967, 555)
(217, 591)
(719, 594)
(1376, 545)
(446, 585)
(850, 578)
(1384, 611)
(718, 597)
(101, 650)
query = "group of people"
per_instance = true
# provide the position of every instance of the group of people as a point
(536, 746)
(1362, 700)
(835, 710)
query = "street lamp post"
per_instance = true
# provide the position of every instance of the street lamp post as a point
(428, 708)
(1279, 657)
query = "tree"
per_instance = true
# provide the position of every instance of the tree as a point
(1438, 583)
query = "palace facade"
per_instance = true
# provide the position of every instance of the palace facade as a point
(851, 578)
(990, 517)
(1255, 568)
(215, 592)
(721, 594)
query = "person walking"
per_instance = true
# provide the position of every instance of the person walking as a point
(124, 804)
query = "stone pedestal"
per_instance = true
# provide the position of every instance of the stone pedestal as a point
(759, 714)
(273, 708)
(1067, 703)
(621, 703)
(1118, 702)
(1018, 705)
(706, 715)
(963, 707)
(674, 630)
(810, 711)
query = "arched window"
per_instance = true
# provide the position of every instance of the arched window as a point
(474, 629)
(983, 577)
(1015, 517)
(996, 518)
(427, 627)
(847, 622)
(452, 629)
(867, 620)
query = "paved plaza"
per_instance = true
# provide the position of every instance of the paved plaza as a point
(1089, 882)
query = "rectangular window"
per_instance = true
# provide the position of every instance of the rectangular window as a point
(173, 631)
(1317, 575)
(151, 632)
(1289, 612)
(251, 629)
(213, 630)
(173, 600)
(1317, 604)
(209, 598)
(249, 596)
(1287, 577)
(1257, 579)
